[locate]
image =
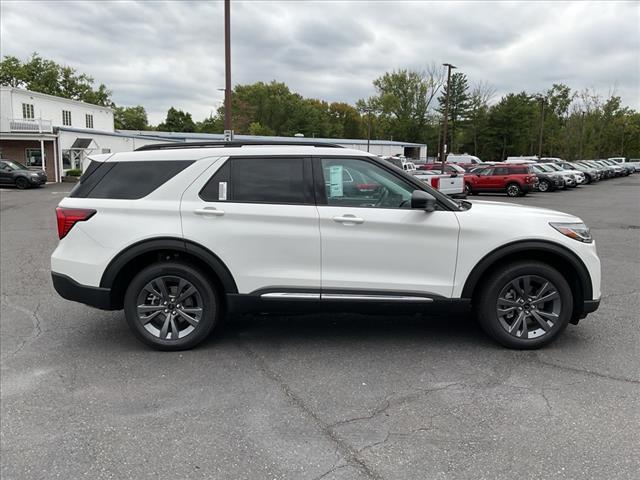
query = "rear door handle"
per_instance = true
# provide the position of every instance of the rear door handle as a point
(348, 218)
(212, 211)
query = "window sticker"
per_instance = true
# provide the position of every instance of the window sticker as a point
(222, 190)
(335, 181)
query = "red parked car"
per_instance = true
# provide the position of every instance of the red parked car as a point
(513, 179)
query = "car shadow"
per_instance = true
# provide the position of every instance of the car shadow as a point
(348, 329)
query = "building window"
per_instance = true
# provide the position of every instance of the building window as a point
(27, 111)
(66, 118)
(89, 121)
(33, 157)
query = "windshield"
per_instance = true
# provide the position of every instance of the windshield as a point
(15, 166)
(554, 167)
(542, 168)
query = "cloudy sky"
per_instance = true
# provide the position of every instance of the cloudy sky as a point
(162, 54)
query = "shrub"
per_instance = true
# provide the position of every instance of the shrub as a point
(74, 172)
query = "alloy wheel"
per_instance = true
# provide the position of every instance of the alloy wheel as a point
(543, 186)
(169, 307)
(513, 190)
(528, 306)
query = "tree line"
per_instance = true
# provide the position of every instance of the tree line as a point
(408, 105)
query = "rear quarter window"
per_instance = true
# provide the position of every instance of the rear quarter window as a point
(126, 180)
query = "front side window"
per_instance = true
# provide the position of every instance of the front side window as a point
(484, 172)
(66, 118)
(89, 120)
(372, 186)
(259, 180)
(28, 111)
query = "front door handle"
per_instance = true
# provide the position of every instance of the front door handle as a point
(209, 211)
(348, 219)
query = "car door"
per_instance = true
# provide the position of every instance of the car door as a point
(500, 178)
(373, 241)
(485, 180)
(6, 175)
(257, 214)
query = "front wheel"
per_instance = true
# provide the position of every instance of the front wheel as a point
(514, 190)
(525, 305)
(171, 306)
(22, 183)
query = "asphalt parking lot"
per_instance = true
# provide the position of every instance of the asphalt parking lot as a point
(327, 396)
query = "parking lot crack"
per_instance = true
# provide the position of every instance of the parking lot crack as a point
(33, 316)
(350, 454)
(586, 372)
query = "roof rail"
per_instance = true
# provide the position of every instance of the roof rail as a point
(233, 143)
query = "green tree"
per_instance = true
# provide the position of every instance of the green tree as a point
(458, 107)
(404, 97)
(211, 124)
(130, 118)
(177, 121)
(46, 76)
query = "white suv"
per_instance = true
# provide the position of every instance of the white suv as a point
(179, 235)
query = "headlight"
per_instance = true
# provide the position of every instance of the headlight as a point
(34, 175)
(577, 231)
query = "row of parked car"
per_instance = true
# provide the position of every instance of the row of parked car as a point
(517, 176)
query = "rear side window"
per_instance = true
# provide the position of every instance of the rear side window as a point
(519, 170)
(126, 180)
(259, 180)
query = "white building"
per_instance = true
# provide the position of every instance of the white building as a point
(62, 132)
(36, 126)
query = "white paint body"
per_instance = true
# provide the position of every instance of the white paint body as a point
(266, 246)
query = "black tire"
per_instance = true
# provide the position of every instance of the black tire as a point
(22, 183)
(544, 186)
(207, 296)
(486, 305)
(514, 190)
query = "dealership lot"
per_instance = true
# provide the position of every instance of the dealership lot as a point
(331, 396)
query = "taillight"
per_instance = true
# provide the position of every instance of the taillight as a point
(435, 183)
(68, 217)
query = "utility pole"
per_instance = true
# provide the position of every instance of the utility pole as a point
(541, 98)
(227, 69)
(581, 134)
(443, 147)
(369, 129)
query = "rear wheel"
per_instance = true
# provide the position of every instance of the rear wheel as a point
(171, 306)
(22, 183)
(514, 190)
(525, 305)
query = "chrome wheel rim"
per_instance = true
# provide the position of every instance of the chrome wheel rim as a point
(513, 190)
(528, 307)
(169, 307)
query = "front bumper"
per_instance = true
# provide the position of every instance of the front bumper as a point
(37, 180)
(69, 289)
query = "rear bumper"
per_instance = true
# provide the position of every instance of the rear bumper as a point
(69, 289)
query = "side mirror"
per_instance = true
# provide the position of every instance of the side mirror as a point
(423, 201)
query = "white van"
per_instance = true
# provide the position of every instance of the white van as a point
(464, 158)
(634, 162)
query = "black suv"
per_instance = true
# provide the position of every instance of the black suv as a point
(14, 173)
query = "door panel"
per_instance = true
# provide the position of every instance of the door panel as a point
(263, 245)
(400, 250)
(374, 240)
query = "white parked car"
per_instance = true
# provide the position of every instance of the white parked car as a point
(523, 159)
(409, 167)
(633, 162)
(177, 235)
(451, 184)
(463, 159)
(577, 175)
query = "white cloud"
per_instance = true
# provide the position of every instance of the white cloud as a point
(163, 54)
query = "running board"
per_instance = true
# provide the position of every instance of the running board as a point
(343, 296)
